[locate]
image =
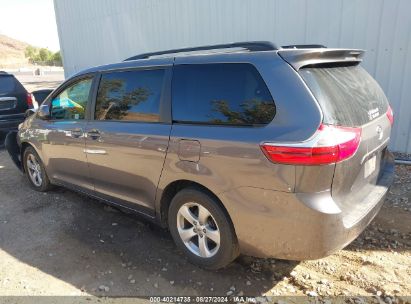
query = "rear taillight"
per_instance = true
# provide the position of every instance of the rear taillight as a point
(390, 115)
(330, 144)
(29, 100)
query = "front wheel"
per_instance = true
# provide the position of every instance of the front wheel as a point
(201, 229)
(35, 172)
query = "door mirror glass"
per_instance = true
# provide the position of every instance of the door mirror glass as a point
(44, 112)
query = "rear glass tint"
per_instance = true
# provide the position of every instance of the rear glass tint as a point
(7, 84)
(348, 95)
(221, 94)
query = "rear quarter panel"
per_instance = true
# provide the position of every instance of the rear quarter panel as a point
(230, 157)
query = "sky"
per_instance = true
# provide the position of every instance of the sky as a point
(31, 21)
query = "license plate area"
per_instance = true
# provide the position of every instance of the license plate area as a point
(369, 166)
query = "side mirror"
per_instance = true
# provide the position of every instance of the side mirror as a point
(44, 112)
(29, 112)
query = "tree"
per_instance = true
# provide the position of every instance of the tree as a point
(30, 52)
(44, 54)
(116, 100)
(57, 59)
(252, 111)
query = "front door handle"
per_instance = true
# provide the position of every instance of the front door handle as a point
(93, 134)
(76, 133)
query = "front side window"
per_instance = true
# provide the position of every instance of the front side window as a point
(71, 104)
(228, 94)
(130, 96)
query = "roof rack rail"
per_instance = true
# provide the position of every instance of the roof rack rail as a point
(252, 46)
(303, 46)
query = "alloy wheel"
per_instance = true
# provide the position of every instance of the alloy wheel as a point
(34, 170)
(198, 230)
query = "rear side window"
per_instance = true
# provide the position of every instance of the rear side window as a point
(130, 96)
(7, 84)
(228, 94)
(348, 95)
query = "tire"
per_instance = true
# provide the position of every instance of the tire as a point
(210, 240)
(32, 159)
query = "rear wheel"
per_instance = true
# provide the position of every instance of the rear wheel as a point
(35, 172)
(201, 229)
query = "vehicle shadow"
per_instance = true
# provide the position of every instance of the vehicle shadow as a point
(391, 228)
(93, 246)
(390, 231)
(2, 138)
(148, 251)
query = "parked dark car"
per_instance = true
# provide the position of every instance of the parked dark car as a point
(14, 101)
(242, 148)
(41, 95)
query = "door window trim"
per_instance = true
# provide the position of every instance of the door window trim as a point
(165, 95)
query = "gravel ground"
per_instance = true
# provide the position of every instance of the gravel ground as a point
(402, 156)
(63, 243)
(32, 83)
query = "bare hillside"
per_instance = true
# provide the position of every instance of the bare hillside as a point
(12, 51)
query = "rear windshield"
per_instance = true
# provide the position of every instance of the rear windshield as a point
(7, 84)
(348, 95)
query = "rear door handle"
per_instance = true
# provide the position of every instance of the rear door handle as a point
(93, 134)
(76, 133)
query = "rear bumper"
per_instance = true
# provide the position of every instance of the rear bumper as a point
(12, 123)
(299, 226)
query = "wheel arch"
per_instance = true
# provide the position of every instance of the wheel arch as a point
(176, 186)
(24, 146)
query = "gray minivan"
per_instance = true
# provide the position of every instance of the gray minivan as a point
(238, 148)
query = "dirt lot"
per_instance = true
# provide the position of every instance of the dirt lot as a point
(50, 81)
(62, 243)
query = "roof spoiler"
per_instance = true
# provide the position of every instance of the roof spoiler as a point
(299, 58)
